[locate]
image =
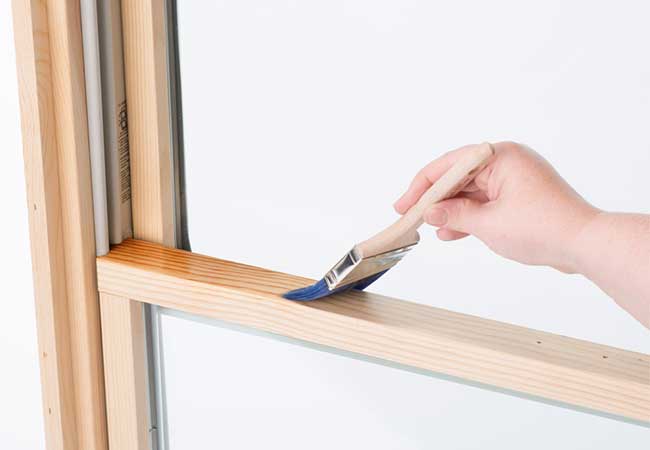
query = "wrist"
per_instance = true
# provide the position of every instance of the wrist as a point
(582, 247)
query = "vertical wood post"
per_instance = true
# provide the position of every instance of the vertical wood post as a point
(147, 94)
(126, 381)
(57, 172)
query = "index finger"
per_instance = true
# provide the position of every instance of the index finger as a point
(428, 175)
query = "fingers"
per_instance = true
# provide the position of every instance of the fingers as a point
(463, 215)
(423, 180)
(482, 179)
(445, 234)
(479, 196)
(430, 173)
(471, 187)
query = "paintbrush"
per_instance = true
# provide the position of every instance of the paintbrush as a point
(372, 258)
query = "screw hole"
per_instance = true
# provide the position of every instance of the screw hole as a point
(539, 342)
(604, 357)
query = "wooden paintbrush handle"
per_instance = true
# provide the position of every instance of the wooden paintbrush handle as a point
(451, 182)
(404, 231)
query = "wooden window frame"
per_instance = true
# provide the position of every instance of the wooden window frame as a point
(89, 311)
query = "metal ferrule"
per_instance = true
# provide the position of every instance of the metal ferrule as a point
(352, 267)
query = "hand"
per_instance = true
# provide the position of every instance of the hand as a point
(519, 206)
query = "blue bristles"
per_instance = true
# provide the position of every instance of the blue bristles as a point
(316, 290)
(320, 289)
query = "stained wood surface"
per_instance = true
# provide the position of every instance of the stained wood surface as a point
(510, 357)
(57, 172)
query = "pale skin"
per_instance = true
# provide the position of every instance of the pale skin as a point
(522, 209)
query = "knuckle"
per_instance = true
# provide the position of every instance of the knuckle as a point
(515, 156)
(509, 149)
(420, 176)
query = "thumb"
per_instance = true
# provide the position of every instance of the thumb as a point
(460, 214)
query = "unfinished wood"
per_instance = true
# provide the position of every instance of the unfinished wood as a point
(545, 365)
(152, 202)
(147, 94)
(50, 77)
(125, 373)
(124, 353)
(68, 86)
(44, 207)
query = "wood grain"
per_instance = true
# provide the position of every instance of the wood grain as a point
(68, 84)
(152, 202)
(44, 207)
(545, 365)
(147, 94)
(124, 354)
(53, 120)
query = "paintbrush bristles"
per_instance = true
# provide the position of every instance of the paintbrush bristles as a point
(320, 289)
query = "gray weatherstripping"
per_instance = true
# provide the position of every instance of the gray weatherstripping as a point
(115, 111)
(93, 75)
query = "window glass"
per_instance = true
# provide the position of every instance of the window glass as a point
(304, 121)
(227, 388)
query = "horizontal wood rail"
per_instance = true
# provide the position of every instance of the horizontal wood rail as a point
(546, 366)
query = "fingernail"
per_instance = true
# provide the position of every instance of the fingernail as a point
(396, 205)
(437, 217)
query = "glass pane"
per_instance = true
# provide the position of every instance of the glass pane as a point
(304, 121)
(233, 390)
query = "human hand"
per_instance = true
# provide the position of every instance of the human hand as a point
(519, 206)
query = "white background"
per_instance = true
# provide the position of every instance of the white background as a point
(304, 121)
(285, 106)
